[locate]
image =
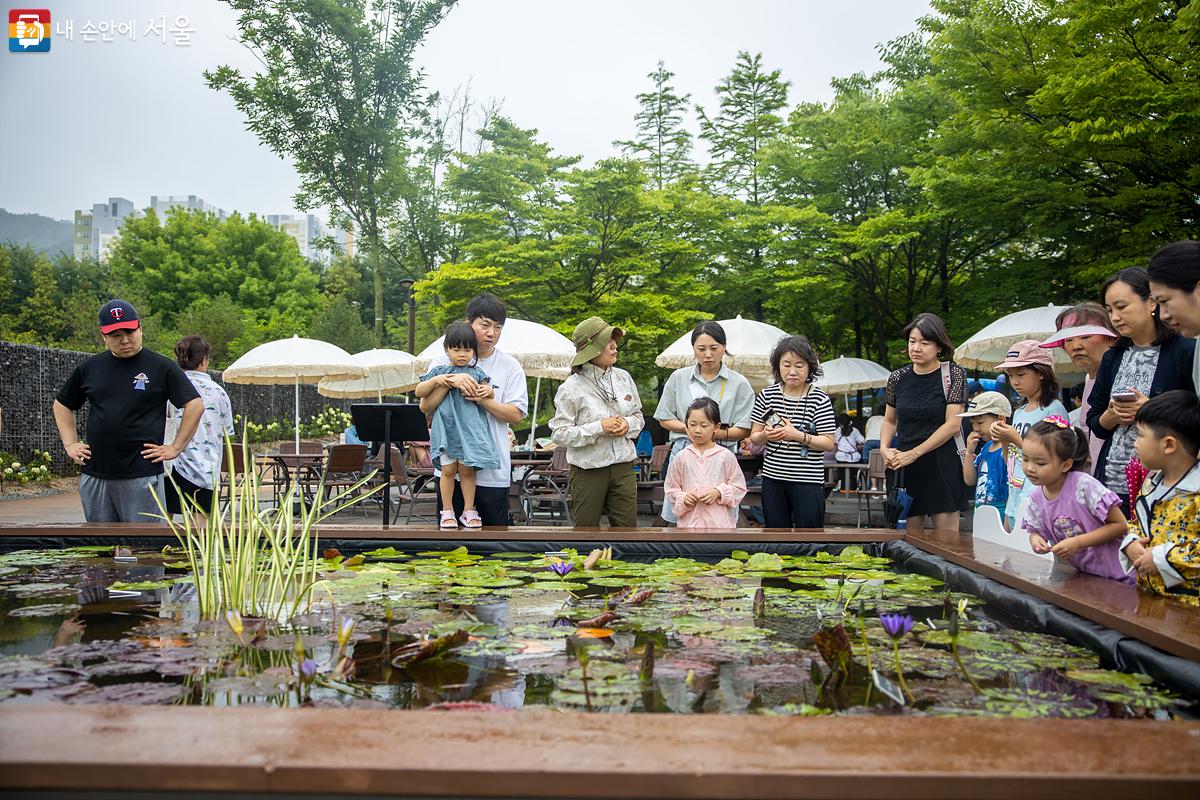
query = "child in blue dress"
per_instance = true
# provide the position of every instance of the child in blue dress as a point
(460, 441)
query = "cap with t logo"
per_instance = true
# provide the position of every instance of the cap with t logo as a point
(117, 315)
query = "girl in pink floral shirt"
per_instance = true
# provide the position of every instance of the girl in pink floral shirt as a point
(704, 483)
(1070, 513)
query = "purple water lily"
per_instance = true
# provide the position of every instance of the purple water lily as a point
(896, 625)
(308, 670)
(560, 568)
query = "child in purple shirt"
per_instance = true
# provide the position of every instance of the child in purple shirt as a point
(1070, 513)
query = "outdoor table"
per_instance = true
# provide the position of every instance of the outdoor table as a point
(286, 466)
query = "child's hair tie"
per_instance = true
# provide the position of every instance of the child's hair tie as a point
(1057, 421)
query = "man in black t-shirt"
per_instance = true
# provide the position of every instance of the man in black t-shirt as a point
(128, 388)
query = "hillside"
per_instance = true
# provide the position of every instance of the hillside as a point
(46, 235)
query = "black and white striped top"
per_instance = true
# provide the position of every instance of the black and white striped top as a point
(782, 460)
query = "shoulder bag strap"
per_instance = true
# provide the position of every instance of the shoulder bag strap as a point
(959, 443)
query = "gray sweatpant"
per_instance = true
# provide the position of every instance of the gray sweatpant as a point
(121, 500)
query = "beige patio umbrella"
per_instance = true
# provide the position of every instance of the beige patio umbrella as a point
(990, 345)
(295, 361)
(748, 349)
(391, 372)
(844, 375)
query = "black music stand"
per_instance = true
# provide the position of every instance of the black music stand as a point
(388, 423)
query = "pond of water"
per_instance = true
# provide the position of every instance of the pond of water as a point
(831, 633)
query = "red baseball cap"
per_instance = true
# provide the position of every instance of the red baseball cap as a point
(117, 315)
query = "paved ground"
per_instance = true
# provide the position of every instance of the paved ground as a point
(64, 508)
(52, 509)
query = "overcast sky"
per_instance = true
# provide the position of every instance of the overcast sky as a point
(133, 118)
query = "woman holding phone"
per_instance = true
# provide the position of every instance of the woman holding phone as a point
(1147, 360)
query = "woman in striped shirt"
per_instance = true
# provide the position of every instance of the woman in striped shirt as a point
(795, 420)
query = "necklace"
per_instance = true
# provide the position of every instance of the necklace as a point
(607, 393)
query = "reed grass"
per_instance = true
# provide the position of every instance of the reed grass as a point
(257, 560)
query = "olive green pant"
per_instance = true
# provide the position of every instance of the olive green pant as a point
(608, 490)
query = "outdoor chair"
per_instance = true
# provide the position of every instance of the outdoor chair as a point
(342, 469)
(411, 486)
(873, 486)
(545, 490)
(650, 487)
(231, 470)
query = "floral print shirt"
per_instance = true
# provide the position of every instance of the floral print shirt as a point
(200, 462)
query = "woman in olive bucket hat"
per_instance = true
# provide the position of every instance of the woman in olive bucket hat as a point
(598, 416)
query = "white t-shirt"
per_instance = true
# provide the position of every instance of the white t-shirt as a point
(874, 426)
(509, 380)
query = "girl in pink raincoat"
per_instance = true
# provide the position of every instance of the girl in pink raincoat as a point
(704, 483)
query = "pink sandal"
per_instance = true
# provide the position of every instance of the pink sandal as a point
(471, 519)
(446, 520)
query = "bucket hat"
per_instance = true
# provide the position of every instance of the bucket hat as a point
(591, 337)
(988, 403)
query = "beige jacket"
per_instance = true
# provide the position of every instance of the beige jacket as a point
(581, 404)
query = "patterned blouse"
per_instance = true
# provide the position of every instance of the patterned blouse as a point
(587, 397)
(200, 462)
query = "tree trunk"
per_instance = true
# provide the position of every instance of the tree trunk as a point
(377, 272)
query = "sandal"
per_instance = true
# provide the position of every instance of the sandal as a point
(446, 520)
(471, 519)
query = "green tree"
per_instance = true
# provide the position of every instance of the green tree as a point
(560, 246)
(1085, 113)
(191, 256)
(42, 313)
(746, 123)
(663, 142)
(341, 323)
(220, 321)
(887, 245)
(337, 96)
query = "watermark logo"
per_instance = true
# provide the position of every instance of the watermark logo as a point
(29, 30)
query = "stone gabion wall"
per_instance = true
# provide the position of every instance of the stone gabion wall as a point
(30, 377)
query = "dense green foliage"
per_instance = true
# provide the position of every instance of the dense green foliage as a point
(1010, 153)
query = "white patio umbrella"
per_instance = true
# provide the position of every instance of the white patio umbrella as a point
(748, 348)
(391, 372)
(293, 361)
(990, 346)
(844, 375)
(540, 350)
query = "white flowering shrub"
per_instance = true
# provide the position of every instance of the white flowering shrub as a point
(33, 469)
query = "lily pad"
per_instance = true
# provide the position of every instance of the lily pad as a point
(45, 610)
(142, 694)
(765, 562)
(146, 586)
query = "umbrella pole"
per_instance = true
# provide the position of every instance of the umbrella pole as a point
(537, 393)
(297, 415)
